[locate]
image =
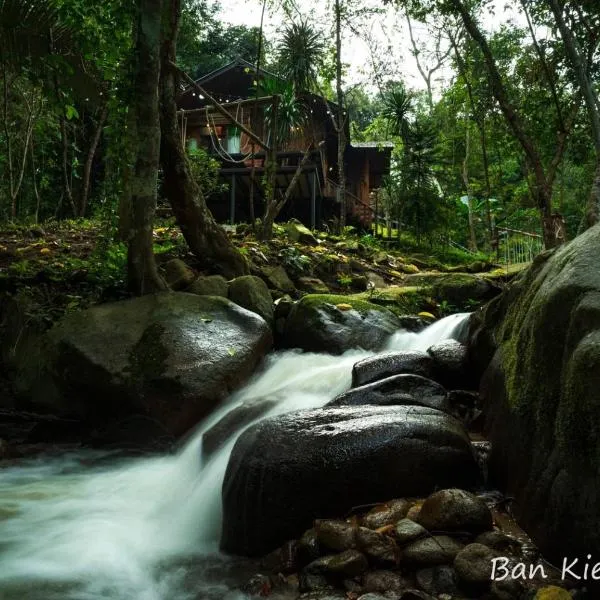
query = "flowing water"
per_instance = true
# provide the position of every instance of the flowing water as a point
(90, 526)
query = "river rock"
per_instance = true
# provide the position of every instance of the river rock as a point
(432, 550)
(335, 535)
(473, 565)
(438, 580)
(407, 530)
(455, 510)
(396, 390)
(460, 290)
(278, 279)
(501, 542)
(334, 324)
(171, 357)
(382, 366)
(211, 285)
(311, 285)
(349, 563)
(386, 514)
(450, 365)
(286, 471)
(252, 293)
(539, 344)
(178, 275)
(297, 232)
(376, 546)
(384, 581)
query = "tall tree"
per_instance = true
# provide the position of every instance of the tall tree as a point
(580, 64)
(543, 178)
(205, 238)
(140, 200)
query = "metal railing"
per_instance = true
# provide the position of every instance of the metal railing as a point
(518, 247)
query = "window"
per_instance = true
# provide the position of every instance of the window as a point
(233, 140)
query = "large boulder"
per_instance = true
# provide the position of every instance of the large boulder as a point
(252, 293)
(334, 324)
(286, 471)
(541, 392)
(297, 232)
(171, 357)
(392, 363)
(461, 290)
(396, 390)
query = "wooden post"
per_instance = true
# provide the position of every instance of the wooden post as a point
(232, 200)
(313, 201)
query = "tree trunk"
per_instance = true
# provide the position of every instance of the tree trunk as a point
(340, 127)
(205, 238)
(142, 272)
(274, 208)
(465, 176)
(89, 160)
(542, 194)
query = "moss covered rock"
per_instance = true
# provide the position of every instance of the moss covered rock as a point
(211, 285)
(330, 323)
(172, 357)
(462, 290)
(300, 233)
(541, 389)
(252, 293)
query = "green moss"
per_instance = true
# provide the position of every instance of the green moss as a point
(357, 301)
(409, 300)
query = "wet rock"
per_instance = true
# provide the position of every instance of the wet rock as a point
(277, 278)
(376, 546)
(407, 530)
(473, 566)
(284, 560)
(415, 324)
(311, 582)
(455, 510)
(312, 285)
(450, 365)
(178, 275)
(349, 563)
(435, 550)
(172, 357)
(438, 580)
(417, 595)
(211, 285)
(496, 540)
(396, 390)
(383, 366)
(308, 547)
(384, 581)
(252, 293)
(508, 589)
(335, 535)
(136, 432)
(373, 596)
(334, 324)
(386, 514)
(297, 232)
(460, 290)
(258, 585)
(372, 453)
(413, 512)
(464, 405)
(4, 450)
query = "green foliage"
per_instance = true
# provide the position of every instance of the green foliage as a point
(294, 261)
(205, 170)
(300, 55)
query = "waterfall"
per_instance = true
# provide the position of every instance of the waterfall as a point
(74, 528)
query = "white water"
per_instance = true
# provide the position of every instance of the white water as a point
(73, 528)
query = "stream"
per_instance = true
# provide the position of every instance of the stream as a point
(90, 525)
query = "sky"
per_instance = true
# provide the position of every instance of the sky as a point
(388, 32)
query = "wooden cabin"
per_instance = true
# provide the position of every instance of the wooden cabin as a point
(315, 198)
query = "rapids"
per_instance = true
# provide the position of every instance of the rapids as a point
(90, 525)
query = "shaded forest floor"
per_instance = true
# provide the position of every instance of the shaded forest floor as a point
(70, 265)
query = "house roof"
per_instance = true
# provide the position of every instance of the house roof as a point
(238, 62)
(372, 144)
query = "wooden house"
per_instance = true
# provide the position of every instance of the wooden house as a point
(315, 197)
